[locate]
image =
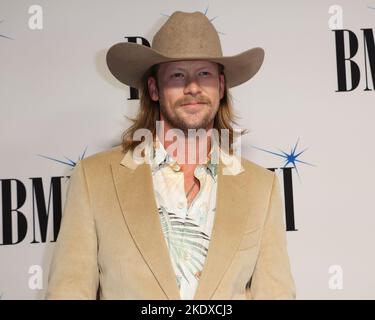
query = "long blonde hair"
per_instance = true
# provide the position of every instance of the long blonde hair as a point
(149, 113)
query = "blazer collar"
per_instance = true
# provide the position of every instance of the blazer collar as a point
(134, 187)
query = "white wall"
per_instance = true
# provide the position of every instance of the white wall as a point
(57, 97)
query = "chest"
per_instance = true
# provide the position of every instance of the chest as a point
(185, 195)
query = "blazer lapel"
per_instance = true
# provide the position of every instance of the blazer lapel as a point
(136, 196)
(233, 206)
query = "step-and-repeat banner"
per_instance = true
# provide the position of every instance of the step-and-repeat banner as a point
(309, 111)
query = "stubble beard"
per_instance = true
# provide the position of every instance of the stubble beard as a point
(176, 121)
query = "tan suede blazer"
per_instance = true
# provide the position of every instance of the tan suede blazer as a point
(111, 242)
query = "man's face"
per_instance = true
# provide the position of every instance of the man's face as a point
(189, 93)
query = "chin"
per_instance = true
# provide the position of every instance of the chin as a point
(195, 126)
(193, 121)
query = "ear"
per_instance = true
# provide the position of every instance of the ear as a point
(152, 89)
(222, 85)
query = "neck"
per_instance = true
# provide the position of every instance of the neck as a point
(188, 151)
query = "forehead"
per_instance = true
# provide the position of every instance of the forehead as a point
(187, 65)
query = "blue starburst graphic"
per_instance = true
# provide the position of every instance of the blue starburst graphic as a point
(71, 163)
(290, 158)
(2, 36)
(205, 13)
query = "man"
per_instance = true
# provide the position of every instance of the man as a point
(167, 227)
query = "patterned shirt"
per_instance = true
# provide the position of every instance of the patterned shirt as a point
(187, 230)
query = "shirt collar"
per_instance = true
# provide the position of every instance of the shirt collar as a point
(161, 158)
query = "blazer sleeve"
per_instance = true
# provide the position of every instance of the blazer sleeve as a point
(272, 278)
(74, 269)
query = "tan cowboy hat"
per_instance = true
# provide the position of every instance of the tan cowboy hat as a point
(184, 36)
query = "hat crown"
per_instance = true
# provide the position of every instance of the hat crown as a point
(187, 35)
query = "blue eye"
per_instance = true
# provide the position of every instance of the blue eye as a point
(206, 73)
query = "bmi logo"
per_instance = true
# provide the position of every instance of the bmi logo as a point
(348, 58)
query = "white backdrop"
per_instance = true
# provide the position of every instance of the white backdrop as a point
(57, 97)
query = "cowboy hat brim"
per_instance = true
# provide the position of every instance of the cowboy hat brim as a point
(128, 62)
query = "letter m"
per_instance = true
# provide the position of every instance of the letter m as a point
(41, 210)
(369, 50)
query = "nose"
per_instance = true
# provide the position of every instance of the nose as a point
(192, 86)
